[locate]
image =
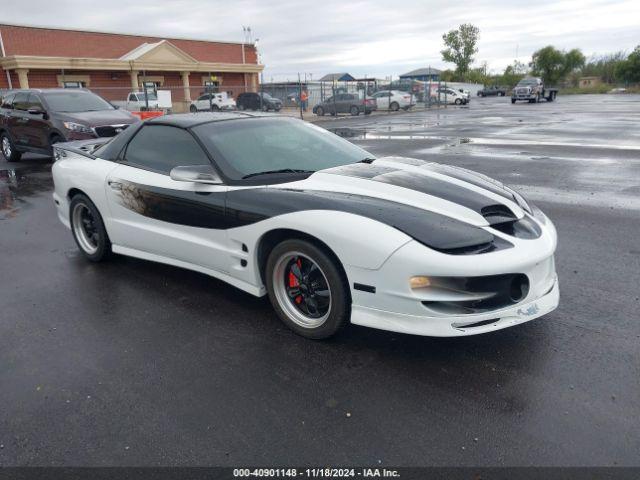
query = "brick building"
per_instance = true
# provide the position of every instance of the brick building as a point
(113, 64)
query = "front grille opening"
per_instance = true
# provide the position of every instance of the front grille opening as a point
(472, 295)
(476, 324)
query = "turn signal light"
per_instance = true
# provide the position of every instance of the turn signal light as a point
(419, 282)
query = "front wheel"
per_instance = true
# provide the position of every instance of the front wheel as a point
(458, 101)
(320, 111)
(193, 109)
(394, 106)
(307, 289)
(88, 229)
(513, 100)
(8, 149)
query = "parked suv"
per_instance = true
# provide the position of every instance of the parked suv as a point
(251, 101)
(345, 103)
(33, 120)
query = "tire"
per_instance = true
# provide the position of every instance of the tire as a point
(8, 148)
(457, 101)
(551, 97)
(320, 111)
(193, 109)
(354, 111)
(394, 106)
(241, 106)
(513, 100)
(265, 108)
(215, 108)
(307, 289)
(88, 229)
(55, 138)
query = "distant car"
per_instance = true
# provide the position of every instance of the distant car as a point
(137, 102)
(219, 101)
(33, 120)
(345, 103)
(253, 101)
(492, 91)
(451, 96)
(393, 100)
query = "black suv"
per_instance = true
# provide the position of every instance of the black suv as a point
(251, 101)
(33, 120)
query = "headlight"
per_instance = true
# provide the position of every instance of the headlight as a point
(78, 128)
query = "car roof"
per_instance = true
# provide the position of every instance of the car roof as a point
(188, 120)
(48, 90)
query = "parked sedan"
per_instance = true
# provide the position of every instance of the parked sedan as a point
(345, 103)
(258, 101)
(492, 91)
(34, 120)
(450, 96)
(393, 100)
(280, 207)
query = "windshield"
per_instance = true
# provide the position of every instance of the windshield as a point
(250, 146)
(525, 82)
(75, 102)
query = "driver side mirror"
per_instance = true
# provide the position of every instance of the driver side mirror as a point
(37, 111)
(196, 174)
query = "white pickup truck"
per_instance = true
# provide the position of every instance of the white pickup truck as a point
(136, 102)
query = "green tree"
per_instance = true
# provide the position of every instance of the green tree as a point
(554, 65)
(461, 46)
(628, 70)
(512, 74)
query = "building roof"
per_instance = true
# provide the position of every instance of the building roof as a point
(337, 77)
(422, 72)
(52, 42)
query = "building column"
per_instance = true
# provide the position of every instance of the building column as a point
(185, 84)
(134, 80)
(23, 77)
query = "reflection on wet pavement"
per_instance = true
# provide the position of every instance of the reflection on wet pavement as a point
(18, 185)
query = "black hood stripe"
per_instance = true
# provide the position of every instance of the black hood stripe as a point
(465, 197)
(243, 207)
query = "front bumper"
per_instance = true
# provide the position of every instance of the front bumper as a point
(393, 305)
(458, 326)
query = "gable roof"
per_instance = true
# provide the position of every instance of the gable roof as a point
(421, 72)
(160, 51)
(52, 42)
(337, 77)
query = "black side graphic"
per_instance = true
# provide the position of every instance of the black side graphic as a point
(243, 207)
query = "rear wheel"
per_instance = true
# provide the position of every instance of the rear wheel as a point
(307, 289)
(8, 149)
(88, 229)
(215, 108)
(320, 111)
(513, 100)
(355, 111)
(395, 106)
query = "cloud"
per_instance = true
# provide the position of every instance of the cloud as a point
(374, 38)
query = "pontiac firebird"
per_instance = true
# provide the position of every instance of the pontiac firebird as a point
(278, 206)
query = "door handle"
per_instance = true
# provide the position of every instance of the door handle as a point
(115, 185)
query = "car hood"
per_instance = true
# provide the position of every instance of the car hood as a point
(453, 192)
(98, 118)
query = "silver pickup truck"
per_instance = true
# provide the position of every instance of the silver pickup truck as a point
(533, 90)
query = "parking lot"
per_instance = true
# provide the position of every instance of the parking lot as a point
(135, 363)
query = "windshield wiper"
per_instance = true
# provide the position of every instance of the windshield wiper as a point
(366, 160)
(283, 170)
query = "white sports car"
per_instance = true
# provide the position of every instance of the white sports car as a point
(277, 206)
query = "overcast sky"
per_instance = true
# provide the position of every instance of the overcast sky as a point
(374, 38)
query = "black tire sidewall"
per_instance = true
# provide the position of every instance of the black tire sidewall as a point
(354, 109)
(15, 154)
(395, 106)
(320, 112)
(340, 295)
(104, 244)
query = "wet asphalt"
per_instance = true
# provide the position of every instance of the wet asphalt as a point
(135, 363)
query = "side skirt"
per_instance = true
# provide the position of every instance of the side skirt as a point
(258, 291)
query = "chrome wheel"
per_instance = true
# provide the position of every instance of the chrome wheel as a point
(6, 147)
(85, 229)
(302, 290)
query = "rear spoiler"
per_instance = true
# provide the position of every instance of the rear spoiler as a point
(80, 147)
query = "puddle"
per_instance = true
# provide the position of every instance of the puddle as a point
(18, 185)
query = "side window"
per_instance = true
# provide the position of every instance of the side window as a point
(202, 97)
(329, 100)
(7, 101)
(160, 148)
(35, 103)
(21, 101)
(132, 97)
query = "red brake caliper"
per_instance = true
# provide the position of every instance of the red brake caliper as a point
(293, 282)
